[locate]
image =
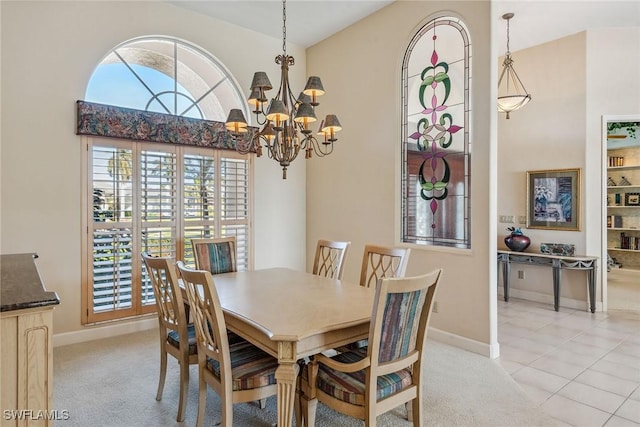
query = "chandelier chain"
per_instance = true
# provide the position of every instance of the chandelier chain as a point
(508, 50)
(284, 27)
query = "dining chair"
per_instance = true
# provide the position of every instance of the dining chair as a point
(329, 258)
(215, 255)
(368, 382)
(177, 336)
(238, 372)
(382, 261)
(379, 262)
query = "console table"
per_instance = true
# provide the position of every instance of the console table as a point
(557, 263)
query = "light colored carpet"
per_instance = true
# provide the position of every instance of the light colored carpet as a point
(112, 382)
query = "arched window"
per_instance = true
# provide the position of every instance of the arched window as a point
(436, 160)
(165, 75)
(159, 169)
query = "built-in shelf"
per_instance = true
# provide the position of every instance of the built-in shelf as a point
(622, 187)
(625, 270)
(619, 168)
(623, 219)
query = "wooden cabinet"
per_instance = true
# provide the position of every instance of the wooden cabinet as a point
(26, 351)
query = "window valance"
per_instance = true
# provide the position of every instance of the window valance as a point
(127, 123)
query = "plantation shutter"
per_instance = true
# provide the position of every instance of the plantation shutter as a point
(112, 233)
(155, 198)
(208, 214)
(158, 209)
(235, 211)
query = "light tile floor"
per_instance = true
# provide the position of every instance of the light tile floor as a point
(582, 368)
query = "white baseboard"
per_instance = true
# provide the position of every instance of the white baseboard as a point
(491, 351)
(548, 299)
(95, 332)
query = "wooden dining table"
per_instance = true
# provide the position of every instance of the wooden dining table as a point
(292, 315)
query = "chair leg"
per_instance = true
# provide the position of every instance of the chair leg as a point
(408, 406)
(416, 410)
(227, 410)
(163, 370)
(262, 403)
(202, 399)
(308, 409)
(184, 387)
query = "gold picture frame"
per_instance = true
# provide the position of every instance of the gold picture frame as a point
(553, 199)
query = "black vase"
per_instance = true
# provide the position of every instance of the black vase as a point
(517, 242)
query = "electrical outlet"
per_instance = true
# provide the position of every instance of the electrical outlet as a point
(435, 307)
(520, 274)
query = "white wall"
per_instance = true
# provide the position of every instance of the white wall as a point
(49, 50)
(354, 193)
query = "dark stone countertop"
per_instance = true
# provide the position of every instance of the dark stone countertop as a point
(20, 284)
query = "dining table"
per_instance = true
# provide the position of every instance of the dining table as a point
(293, 315)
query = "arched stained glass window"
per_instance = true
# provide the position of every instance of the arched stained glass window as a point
(436, 160)
(165, 75)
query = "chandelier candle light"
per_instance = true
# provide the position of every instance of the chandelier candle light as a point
(511, 95)
(285, 124)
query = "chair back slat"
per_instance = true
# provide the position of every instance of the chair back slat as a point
(329, 258)
(208, 318)
(380, 261)
(215, 255)
(168, 298)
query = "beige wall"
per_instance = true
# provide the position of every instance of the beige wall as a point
(354, 194)
(49, 50)
(574, 81)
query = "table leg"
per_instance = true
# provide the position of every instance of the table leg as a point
(286, 378)
(506, 269)
(592, 288)
(556, 286)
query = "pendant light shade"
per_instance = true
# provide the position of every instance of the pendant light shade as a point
(512, 94)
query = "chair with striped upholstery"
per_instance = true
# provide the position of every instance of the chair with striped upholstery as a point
(329, 258)
(177, 336)
(379, 262)
(371, 381)
(238, 372)
(215, 255)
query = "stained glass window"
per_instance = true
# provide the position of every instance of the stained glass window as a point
(436, 146)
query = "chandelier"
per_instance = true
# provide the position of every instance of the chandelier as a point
(285, 123)
(511, 95)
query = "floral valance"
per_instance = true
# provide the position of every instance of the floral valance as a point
(127, 123)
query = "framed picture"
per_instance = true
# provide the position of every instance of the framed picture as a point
(632, 199)
(553, 199)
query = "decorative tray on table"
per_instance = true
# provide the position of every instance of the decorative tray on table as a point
(563, 249)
